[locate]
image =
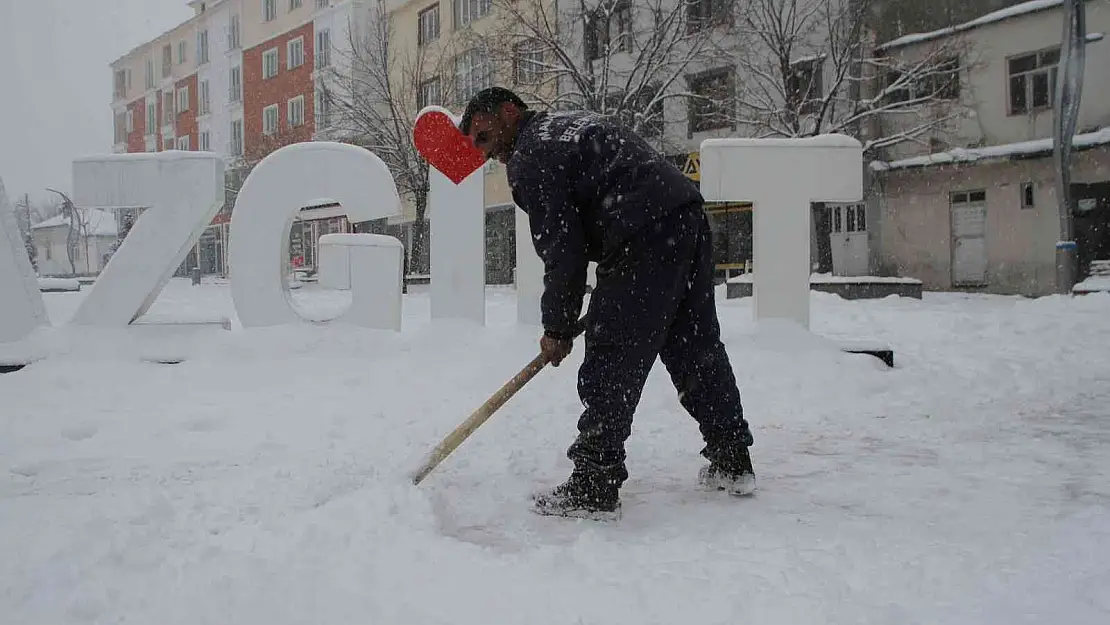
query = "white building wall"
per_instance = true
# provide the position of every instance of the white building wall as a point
(336, 20)
(223, 55)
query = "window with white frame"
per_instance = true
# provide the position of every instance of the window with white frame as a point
(205, 141)
(182, 100)
(295, 111)
(295, 4)
(150, 77)
(270, 63)
(472, 74)
(323, 48)
(120, 84)
(322, 4)
(467, 11)
(270, 119)
(167, 60)
(202, 47)
(151, 118)
(181, 52)
(323, 107)
(294, 53)
(183, 143)
(269, 10)
(527, 62)
(167, 108)
(233, 31)
(130, 121)
(430, 93)
(236, 145)
(235, 84)
(427, 25)
(1032, 81)
(204, 98)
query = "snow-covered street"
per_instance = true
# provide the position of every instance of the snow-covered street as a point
(264, 480)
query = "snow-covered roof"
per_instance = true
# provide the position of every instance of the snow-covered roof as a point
(1025, 8)
(994, 152)
(100, 223)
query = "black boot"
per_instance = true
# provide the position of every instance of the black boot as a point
(733, 474)
(588, 494)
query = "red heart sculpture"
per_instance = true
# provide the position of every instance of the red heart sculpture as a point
(445, 147)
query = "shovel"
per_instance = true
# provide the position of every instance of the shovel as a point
(483, 413)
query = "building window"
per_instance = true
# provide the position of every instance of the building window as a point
(323, 48)
(805, 85)
(1028, 197)
(322, 4)
(270, 117)
(130, 121)
(269, 10)
(430, 93)
(183, 143)
(205, 141)
(427, 24)
(120, 127)
(233, 33)
(1032, 81)
(167, 60)
(150, 74)
(323, 107)
(527, 62)
(151, 118)
(236, 146)
(712, 105)
(120, 91)
(295, 111)
(294, 53)
(270, 63)
(204, 99)
(167, 108)
(181, 52)
(182, 100)
(702, 14)
(467, 11)
(968, 197)
(294, 5)
(609, 29)
(235, 88)
(202, 47)
(472, 74)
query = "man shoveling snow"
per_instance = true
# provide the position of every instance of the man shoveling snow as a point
(595, 191)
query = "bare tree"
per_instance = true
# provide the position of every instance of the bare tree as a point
(813, 69)
(626, 58)
(374, 92)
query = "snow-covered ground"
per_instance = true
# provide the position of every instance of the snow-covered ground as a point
(264, 480)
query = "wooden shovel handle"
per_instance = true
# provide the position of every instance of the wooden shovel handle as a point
(479, 416)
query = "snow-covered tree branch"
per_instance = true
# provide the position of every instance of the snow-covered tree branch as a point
(817, 71)
(627, 58)
(373, 93)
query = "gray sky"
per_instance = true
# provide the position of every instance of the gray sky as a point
(57, 87)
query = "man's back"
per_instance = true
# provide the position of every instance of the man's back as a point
(615, 181)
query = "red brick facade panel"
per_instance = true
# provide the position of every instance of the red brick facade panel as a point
(287, 84)
(136, 139)
(186, 123)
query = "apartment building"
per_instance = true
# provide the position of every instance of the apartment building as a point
(238, 78)
(976, 207)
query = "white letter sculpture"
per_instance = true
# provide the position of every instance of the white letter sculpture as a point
(21, 306)
(302, 174)
(781, 177)
(529, 274)
(456, 209)
(183, 192)
(370, 266)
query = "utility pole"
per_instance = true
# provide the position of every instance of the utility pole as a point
(1069, 87)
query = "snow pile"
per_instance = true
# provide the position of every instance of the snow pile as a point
(993, 17)
(264, 480)
(1007, 150)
